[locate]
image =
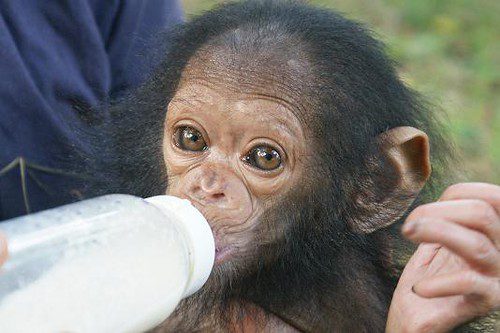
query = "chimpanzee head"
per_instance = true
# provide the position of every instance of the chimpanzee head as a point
(288, 127)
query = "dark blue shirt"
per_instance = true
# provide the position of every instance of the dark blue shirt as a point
(56, 56)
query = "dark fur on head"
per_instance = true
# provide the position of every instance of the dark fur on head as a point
(318, 274)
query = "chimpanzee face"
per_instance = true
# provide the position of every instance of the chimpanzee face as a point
(230, 153)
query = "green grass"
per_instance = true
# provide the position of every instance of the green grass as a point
(450, 51)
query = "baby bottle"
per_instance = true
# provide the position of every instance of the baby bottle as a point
(115, 263)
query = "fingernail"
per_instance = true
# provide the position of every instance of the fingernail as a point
(410, 227)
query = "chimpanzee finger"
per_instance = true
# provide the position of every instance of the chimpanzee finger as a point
(468, 283)
(472, 246)
(470, 213)
(3, 249)
(481, 191)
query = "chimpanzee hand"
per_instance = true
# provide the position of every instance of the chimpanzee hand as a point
(454, 275)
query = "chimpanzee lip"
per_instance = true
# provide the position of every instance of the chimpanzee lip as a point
(222, 253)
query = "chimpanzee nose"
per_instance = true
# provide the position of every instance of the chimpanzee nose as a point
(211, 185)
(218, 191)
(208, 186)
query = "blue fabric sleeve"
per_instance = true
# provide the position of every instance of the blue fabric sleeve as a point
(54, 56)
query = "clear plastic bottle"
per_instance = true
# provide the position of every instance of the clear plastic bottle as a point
(116, 263)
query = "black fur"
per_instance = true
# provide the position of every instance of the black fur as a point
(318, 274)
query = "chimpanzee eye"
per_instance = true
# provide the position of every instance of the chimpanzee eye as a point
(264, 158)
(188, 138)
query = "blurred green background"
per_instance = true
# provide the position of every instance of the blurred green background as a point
(450, 51)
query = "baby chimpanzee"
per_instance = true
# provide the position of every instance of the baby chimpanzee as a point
(288, 127)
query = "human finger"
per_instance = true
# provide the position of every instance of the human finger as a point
(482, 191)
(471, 213)
(483, 290)
(474, 247)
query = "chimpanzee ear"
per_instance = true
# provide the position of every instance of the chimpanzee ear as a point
(405, 152)
(407, 148)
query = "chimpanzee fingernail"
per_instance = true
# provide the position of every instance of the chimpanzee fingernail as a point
(409, 228)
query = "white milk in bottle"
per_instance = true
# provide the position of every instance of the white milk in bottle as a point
(116, 263)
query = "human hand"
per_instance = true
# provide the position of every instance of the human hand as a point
(454, 276)
(3, 249)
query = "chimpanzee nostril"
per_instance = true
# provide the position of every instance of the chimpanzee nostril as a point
(218, 195)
